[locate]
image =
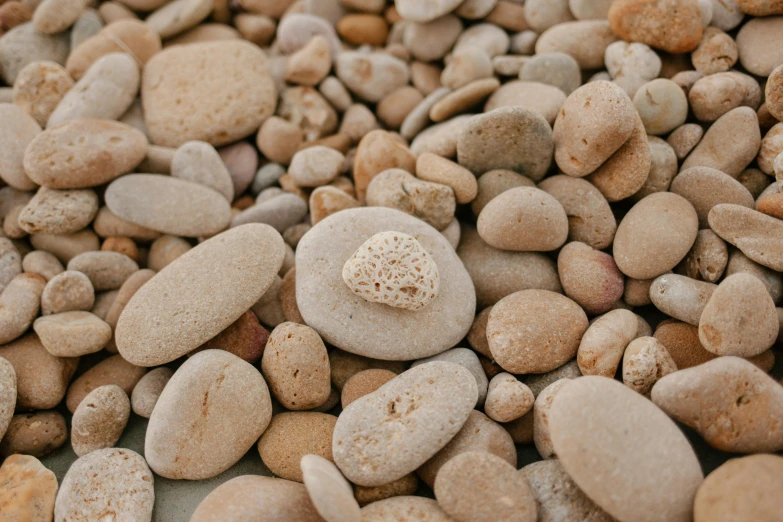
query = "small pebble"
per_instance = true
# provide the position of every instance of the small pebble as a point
(292, 435)
(29, 489)
(147, 391)
(329, 492)
(99, 420)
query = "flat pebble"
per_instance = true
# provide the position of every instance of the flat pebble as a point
(730, 144)
(520, 323)
(729, 401)
(106, 270)
(425, 11)
(7, 394)
(58, 212)
(433, 168)
(371, 460)
(585, 40)
(684, 138)
(539, 97)
(758, 45)
(24, 44)
(29, 489)
(72, 334)
(662, 106)
(99, 420)
(292, 435)
(558, 69)
(177, 16)
(15, 136)
(67, 291)
(371, 76)
(602, 346)
(114, 370)
(114, 480)
(755, 234)
(147, 391)
(315, 166)
(200, 163)
(279, 212)
(37, 434)
(681, 297)
(469, 360)
(19, 305)
(657, 466)
(669, 25)
(329, 492)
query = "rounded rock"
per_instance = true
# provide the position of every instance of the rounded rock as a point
(68, 291)
(673, 26)
(147, 391)
(292, 435)
(72, 334)
(29, 489)
(589, 277)
(662, 106)
(99, 420)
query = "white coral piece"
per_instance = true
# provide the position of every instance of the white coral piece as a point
(393, 268)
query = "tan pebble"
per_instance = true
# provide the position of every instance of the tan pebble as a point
(730, 402)
(682, 342)
(378, 152)
(200, 163)
(755, 181)
(72, 334)
(771, 205)
(477, 336)
(394, 109)
(258, 29)
(717, 52)
(157, 160)
(19, 305)
(684, 138)
(537, 382)
(400, 190)
(741, 489)
(371, 76)
(713, 96)
(37, 434)
(520, 322)
(231, 293)
(11, 264)
(39, 87)
(465, 66)
(122, 245)
(466, 358)
(585, 40)
(13, 14)
(404, 486)
(114, 370)
(663, 168)
(291, 436)
(358, 120)
(29, 489)
(329, 492)
(360, 29)
(483, 487)
(739, 318)
(425, 11)
(488, 37)
(20, 129)
(558, 69)
(541, 15)
(310, 64)
(364, 383)
(589, 277)
(708, 258)
(66, 246)
(507, 398)
(541, 98)
(288, 297)
(757, 43)
(325, 201)
(245, 338)
(25, 44)
(55, 16)
(637, 291)
(463, 98)
(165, 250)
(306, 108)
(58, 211)
(106, 270)
(645, 362)
(493, 183)
(99, 420)
(730, 144)
(603, 343)
(755, 234)
(662, 106)
(178, 16)
(344, 365)
(583, 144)
(112, 480)
(315, 166)
(11, 227)
(418, 117)
(541, 409)
(773, 92)
(107, 225)
(279, 212)
(442, 138)
(204, 33)
(681, 297)
(147, 391)
(131, 36)
(638, 21)
(557, 497)
(404, 509)
(114, 11)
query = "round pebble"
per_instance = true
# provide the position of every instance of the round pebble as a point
(29, 489)
(329, 492)
(292, 435)
(99, 420)
(72, 334)
(36, 434)
(147, 391)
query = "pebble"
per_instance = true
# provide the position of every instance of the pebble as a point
(224, 72)
(681, 297)
(663, 168)
(498, 273)
(320, 287)
(329, 492)
(682, 342)
(631, 65)
(84, 153)
(637, 245)
(395, 188)
(512, 138)
(662, 106)
(465, 66)
(11, 264)
(315, 166)
(106, 270)
(755, 234)
(114, 370)
(585, 40)
(542, 14)
(684, 138)
(462, 99)
(296, 30)
(483, 487)
(441, 139)
(178, 16)
(469, 360)
(373, 461)
(432, 40)
(24, 44)
(394, 109)
(602, 346)
(19, 305)
(72, 334)
(36, 434)
(741, 489)
(479, 433)
(29, 489)
(379, 151)
(39, 87)
(58, 212)
(405, 486)
(364, 383)
(200, 163)
(757, 43)
(558, 69)
(404, 509)
(507, 398)
(495, 182)
(729, 401)
(425, 11)
(436, 169)
(325, 201)
(651, 460)
(671, 26)
(705, 187)
(557, 497)
(7, 395)
(525, 320)
(147, 391)
(645, 362)
(589, 277)
(716, 53)
(241, 160)
(539, 97)
(371, 76)
(279, 212)
(211, 392)
(67, 291)
(110, 480)
(291, 436)
(253, 497)
(20, 129)
(730, 144)
(105, 92)
(99, 420)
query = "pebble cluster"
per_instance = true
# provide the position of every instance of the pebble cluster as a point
(429, 260)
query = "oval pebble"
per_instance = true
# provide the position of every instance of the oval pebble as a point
(404, 509)
(72, 334)
(674, 26)
(37, 434)
(589, 277)
(681, 297)
(585, 40)
(7, 394)
(730, 144)
(147, 391)
(19, 130)
(371, 76)
(29, 489)
(99, 420)
(329, 492)
(58, 211)
(603, 343)
(757, 235)
(19, 305)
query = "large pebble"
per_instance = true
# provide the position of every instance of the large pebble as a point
(18, 130)
(513, 138)
(673, 26)
(111, 480)
(105, 91)
(351, 323)
(594, 122)
(603, 344)
(741, 489)
(19, 305)
(757, 235)
(730, 144)
(216, 92)
(330, 493)
(681, 297)
(257, 499)
(154, 330)
(585, 40)
(524, 219)
(632, 461)
(24, 44)
(28, 491)
(371, 76)
(521, 323)
(739, 318)
(213, 393)
(7, 394)
(758, 43)
(291, 436)
(169, 205)
(199, 162)
(731, 403)
(106, 270)
(655, 235)
(99, 420)
(539, 97)
(72, 334)
(441, 394)
(37, 434)
(84, 153)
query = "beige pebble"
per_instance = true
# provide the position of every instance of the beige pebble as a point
(37, 434)
(306, 108)
(418, 118)
(684, 138)
(58, 211)
(200, 163)
(589, 277)
(165, 250)
(431, 41)
(315, 166)
(667, 469)
(11, 228)
(771, 147)
(682, 342)
(371, 76)
(106, 270)
(585, 40)
(11, 264)
(442, 138)
(462, 99)
(25, 44)
(446, 406)
(107, 224)
(488, 37)
(425, 11)
(730, 402)
(291, 436)
(393, 110)
(507, 398)
(398, 189)
(19, 305)
(645, 362)
(739, 318)
(521, 322)
(39, 87)
(72, 334)
(377, 152)
(20, 129)
(114, 370)
(713, 96)
(115, 480)
(178, 16)
(131, 36)
(147, 391)
(433, 168)
(495, 182)
(66, 246)
(755, 234)
(7, 395)
(279, 212)
(558, 69)
(681, 297)
(662, 106)
(405, 486)
(541, 98)
(344, 365)
(730, 144)
(363, 383)
(29, 489)
(404, 509)
(325, 201)
(757, 43)
(602, 346)
(99, 420)
(637, 291)
(537, 382)
(310, 64)
(465, 66)
(466, 358)
(329, 492)
(69, 290)
(541, 409)
(663, 168)
(358, 120)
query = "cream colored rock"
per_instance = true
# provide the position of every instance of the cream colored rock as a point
(39, 87)
(100, 419)
(681, 297)
(467, 358)
(371, 76)
(17, 132)
(705, 187)
(152, 330)
(310, 64)
(106, 270)
(316, 166)
(603, 344)
(329, 492)
(58, 211)
(394, 269)
(507, 398)
(178, 16)
(645, 362)
(757, 235)
(398, 189)
(7, 394)
(29, 489)
(19, 305)
(730, 144)
(436, 169)
(708, 258)
(425, 11)
(147, 391)
(200, 163)
(213, 393)
(72, 334)
(731, 403)
(589, 277)
(114, 370)
(543, 405)
(55, 16)
(68, 291)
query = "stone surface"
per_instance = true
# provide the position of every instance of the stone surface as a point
(329, 492)
(99, 420)
(404, 509)
(28, 489)
(291, 436)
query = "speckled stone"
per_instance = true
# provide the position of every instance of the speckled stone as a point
(329, 492)
(292, 435)
(7, 394)
(27, 490)
(404, 509)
